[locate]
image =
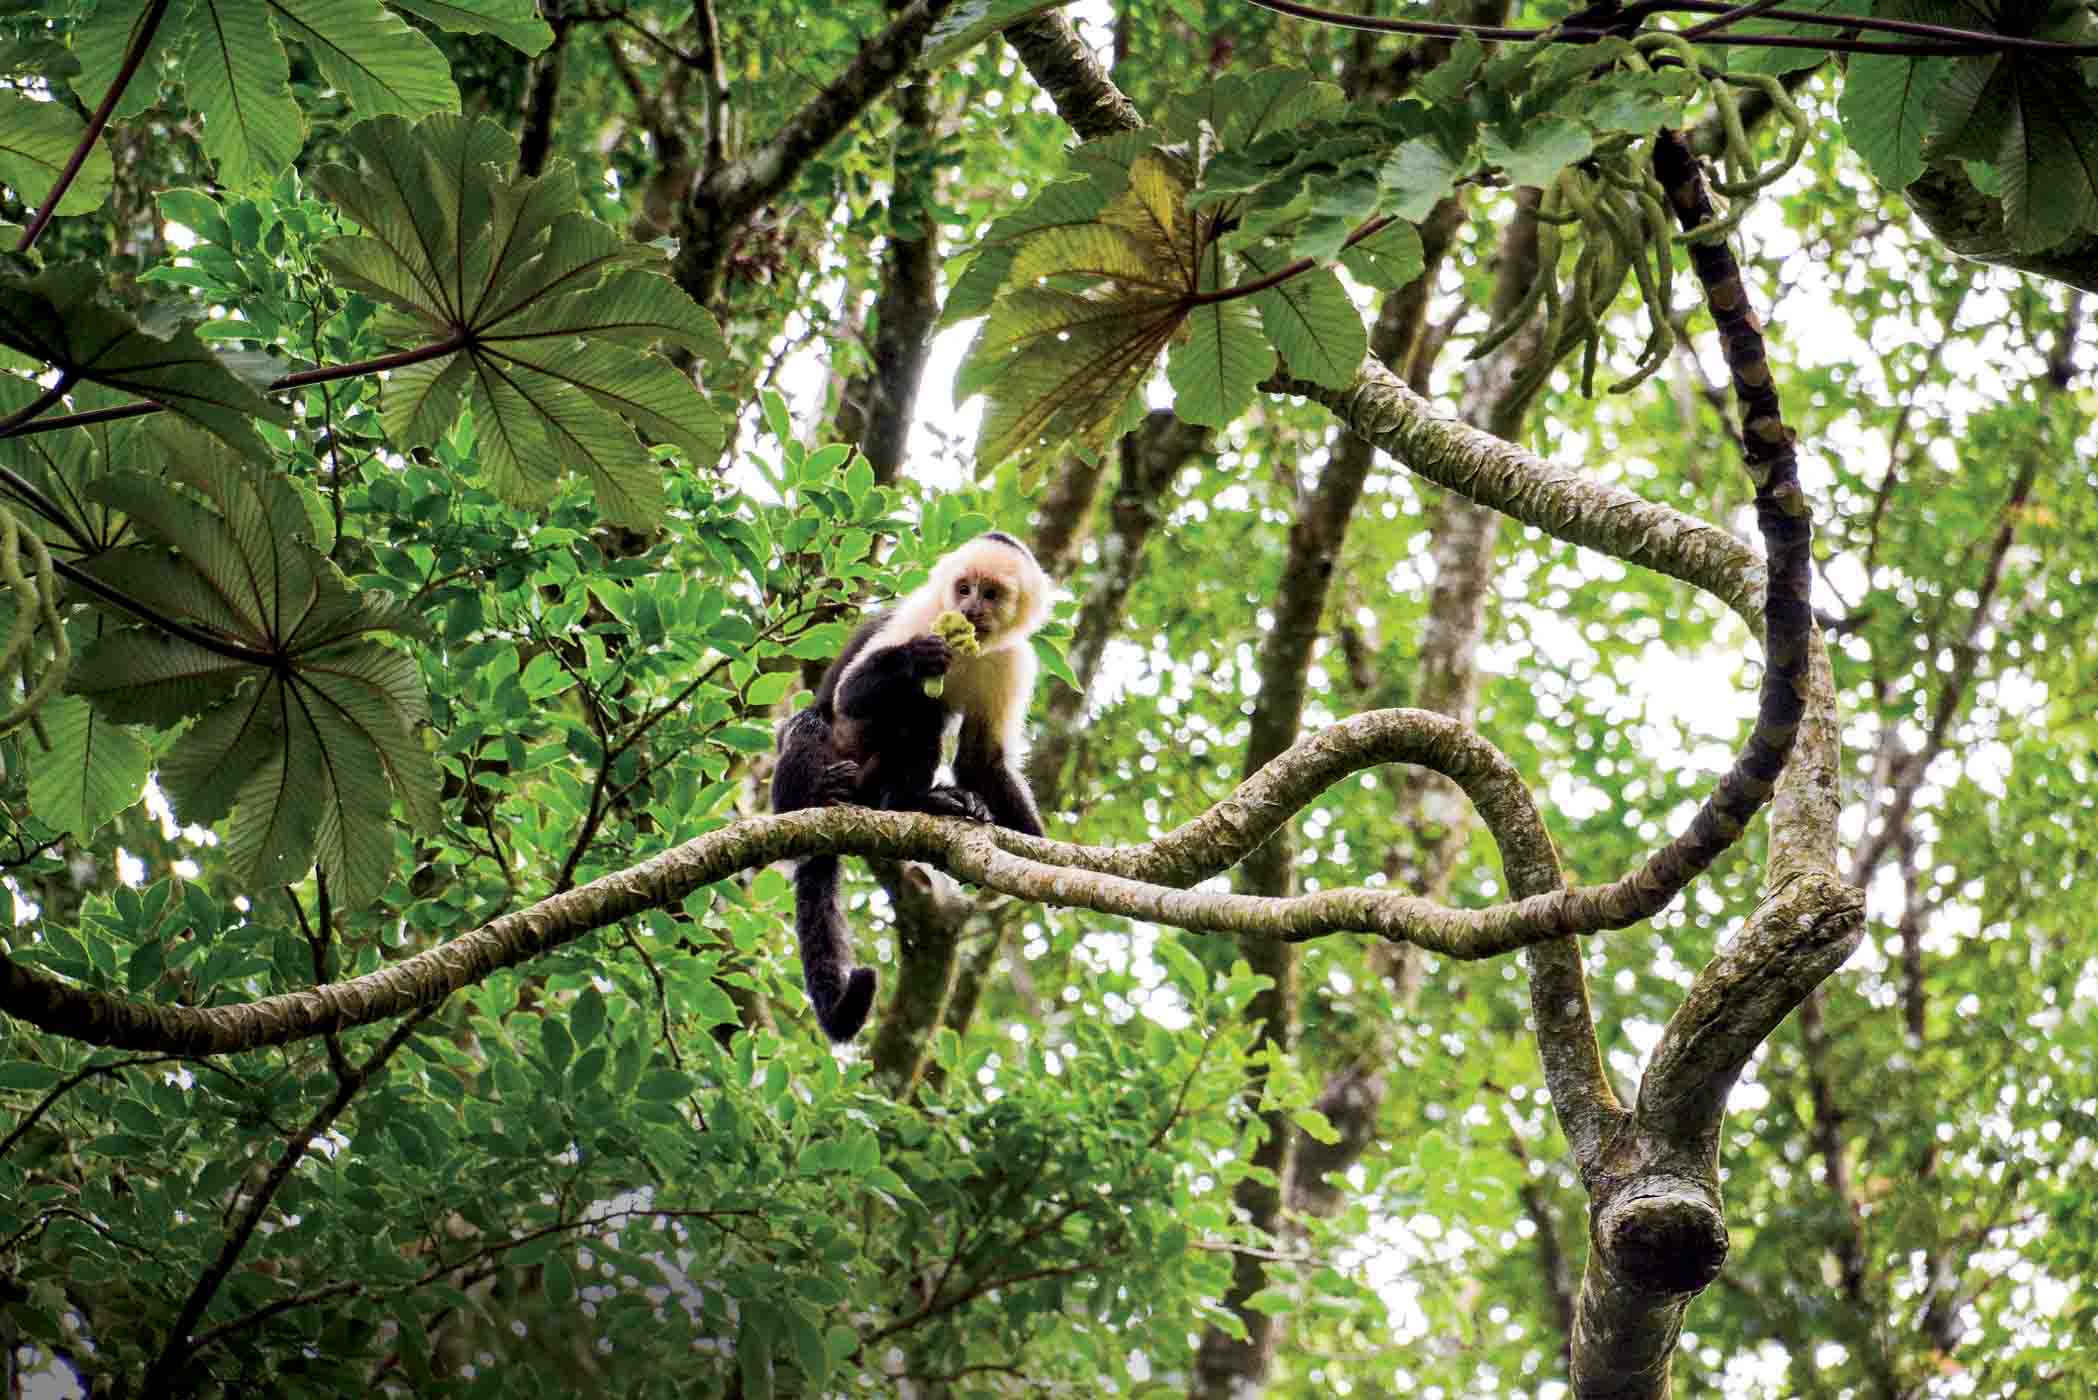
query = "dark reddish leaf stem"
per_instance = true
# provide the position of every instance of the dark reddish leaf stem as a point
(148, 23)
(400, 359)
(1946, 41)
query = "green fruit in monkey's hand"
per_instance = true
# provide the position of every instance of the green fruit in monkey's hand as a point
(960, 635)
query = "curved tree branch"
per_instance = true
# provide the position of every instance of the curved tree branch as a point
(1032, 868)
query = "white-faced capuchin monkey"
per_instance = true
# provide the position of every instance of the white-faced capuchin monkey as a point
(873, 738)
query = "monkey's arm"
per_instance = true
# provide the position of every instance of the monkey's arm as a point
(886, 680)
(982, 766)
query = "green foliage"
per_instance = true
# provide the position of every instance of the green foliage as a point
(531, 308)
(484, 600)
(62, 318)
(36, 141)
(229, 58)
(305, 728)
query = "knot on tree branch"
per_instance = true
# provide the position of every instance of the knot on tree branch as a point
(1661, 1234)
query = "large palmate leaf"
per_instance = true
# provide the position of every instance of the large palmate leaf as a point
(94, 768)
(304, 726)
(532, 313)
(1059, 367)
(1085, 286)
(37, 139)
(229, 58)
(60, 318)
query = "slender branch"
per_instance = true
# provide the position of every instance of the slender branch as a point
(731, 193)
(1916, 28)
(141, 41)
(214, 1335)
(67, 1085)
(180, 1345)
(1734, 16)
(1142, 882)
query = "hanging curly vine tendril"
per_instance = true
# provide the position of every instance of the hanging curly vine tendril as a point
(1625, 229)
(34, 598)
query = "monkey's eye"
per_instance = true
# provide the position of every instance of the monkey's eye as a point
(961, 590)
(990, 594)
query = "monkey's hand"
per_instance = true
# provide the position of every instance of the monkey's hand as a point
(927, 657)
(840, 782)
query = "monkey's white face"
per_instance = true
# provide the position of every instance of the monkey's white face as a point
(989, 598)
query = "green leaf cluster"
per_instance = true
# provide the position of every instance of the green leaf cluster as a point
(303, 727)
(511, 303)
(2023, 124)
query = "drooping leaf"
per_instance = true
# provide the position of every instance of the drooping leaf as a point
(100, 42)
(59, 317)
(1542, 149)
(239, 81)
(1416, 177)
(37, 139)
(2049, 155)
(378, 63)
(1886, 111)
(1388, 259)
(1311, 321)
(94, 769)
(1215, 370)
(550, 309)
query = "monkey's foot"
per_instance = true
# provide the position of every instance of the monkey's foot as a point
(840, 782)
(949, 801)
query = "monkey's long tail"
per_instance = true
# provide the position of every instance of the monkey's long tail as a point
(840, 993)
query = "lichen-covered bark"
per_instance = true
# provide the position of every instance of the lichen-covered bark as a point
(1086, 98)
(1136, 881)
